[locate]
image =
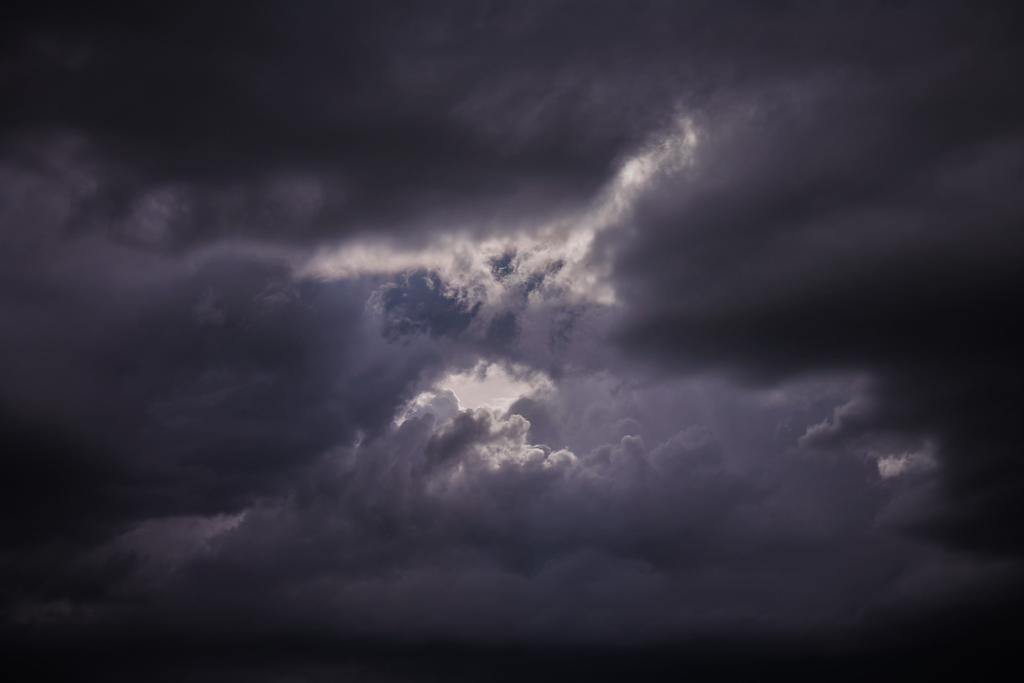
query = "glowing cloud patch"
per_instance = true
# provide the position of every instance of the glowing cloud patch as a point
(491, 386)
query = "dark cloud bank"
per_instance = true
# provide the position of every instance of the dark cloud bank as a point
(787, 444)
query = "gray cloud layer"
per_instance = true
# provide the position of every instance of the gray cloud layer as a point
(750, 271)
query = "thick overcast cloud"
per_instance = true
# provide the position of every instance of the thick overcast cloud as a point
(479, 340)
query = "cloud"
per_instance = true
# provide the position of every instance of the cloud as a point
(369, 339)
(825, 228)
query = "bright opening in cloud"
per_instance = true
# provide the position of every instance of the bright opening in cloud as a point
(491, 386)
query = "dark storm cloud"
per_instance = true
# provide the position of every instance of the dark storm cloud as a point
(199, 395)
(365, 546)
(861, 218)
(393, 518)
(290, 123)
(298, 123)
(217, 460)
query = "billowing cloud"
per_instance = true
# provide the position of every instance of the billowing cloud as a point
(484, 341)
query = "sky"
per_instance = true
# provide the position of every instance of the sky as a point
(479, 340)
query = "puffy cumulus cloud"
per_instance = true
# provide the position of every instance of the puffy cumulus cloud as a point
(460, 524)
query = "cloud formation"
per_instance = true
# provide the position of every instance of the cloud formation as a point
(478, 340)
